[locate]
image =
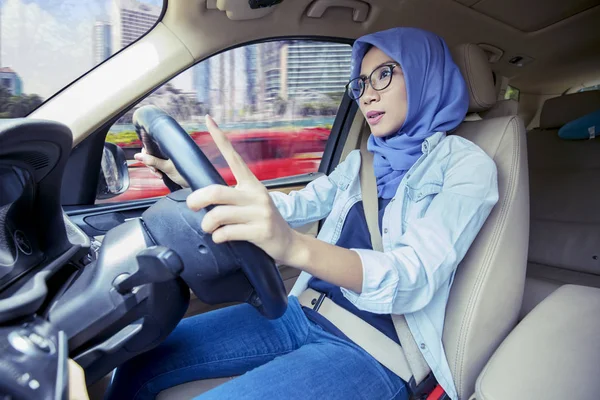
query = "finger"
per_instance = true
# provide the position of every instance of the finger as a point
(154, 163)
(240, 170)
(227, 215)
(237, 232)
(156, 173)
(217, 195)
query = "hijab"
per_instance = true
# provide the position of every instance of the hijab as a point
(436, 94)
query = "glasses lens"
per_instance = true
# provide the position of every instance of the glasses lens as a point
(355, 88)
(381, 77)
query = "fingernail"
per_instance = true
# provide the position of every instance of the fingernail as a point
(210, 119)
(138, 156)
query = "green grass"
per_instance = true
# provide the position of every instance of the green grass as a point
(121, 137)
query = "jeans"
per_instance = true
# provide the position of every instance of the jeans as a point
(287, 358)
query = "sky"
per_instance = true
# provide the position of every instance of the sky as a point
(48, 43)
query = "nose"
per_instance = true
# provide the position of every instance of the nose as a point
(370, 95)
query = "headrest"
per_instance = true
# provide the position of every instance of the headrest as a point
(557, 111)
(475, 67)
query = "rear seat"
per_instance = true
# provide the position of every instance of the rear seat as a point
(564, 244)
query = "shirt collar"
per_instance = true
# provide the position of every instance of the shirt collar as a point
(431, 142)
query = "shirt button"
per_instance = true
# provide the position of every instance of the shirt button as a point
(423, 347)
(385, 230)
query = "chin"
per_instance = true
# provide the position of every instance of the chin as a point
(382, 132)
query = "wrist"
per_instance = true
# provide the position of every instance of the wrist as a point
(297, 255)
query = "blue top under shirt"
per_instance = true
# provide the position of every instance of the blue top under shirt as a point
(355, 235)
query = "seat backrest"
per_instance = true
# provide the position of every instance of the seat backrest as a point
(557, 111)
(502, 108)
(488, 287)
(565, 223)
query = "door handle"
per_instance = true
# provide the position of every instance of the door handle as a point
(359, 14)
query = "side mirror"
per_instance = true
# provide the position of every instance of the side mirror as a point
(114, 175)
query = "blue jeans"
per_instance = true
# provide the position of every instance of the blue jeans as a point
(288, 358)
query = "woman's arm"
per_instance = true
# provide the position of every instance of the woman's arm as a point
(247, 212)
(426, 255)
(310, 204)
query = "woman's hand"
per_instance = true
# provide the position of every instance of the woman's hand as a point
(245, 212)
(159, 167)
(77, 388)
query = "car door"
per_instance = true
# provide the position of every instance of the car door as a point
(281, 102)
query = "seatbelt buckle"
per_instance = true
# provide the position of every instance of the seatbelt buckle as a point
(438, 394)
(425, 389)
(316, 303)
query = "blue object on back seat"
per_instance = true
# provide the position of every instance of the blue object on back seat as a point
(586, 127)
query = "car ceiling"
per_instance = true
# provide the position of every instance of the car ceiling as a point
(562, 37)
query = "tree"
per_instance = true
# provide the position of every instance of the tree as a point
(17, 106)
(280, 105)
(34, 101)
(4, 96)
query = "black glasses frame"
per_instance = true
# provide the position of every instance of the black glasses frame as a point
(389, 66)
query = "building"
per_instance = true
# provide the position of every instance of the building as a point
(130, 20)
(271, 68)
(256, 78)
(201, 77)
(314, 67)
(102, 42)
(216, 84)
(252, 78)
(11, 81)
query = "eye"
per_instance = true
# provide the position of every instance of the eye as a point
(385, 72)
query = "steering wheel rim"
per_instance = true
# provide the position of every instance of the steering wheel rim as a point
(163, 137)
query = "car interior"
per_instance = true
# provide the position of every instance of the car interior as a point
(522, 320)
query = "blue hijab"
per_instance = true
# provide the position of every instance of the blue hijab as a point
(436, 93)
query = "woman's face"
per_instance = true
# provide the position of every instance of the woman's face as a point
(385, 110)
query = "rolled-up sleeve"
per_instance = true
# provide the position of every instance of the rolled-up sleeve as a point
(312, 203)
(405, 279)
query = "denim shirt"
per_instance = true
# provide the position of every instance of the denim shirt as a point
(439, 207)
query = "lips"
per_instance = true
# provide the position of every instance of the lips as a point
(374, 116)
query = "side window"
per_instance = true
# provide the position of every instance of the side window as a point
(512, 93)
(277, 100)
(590, 88)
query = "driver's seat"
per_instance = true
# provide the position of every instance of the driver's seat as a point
(488, 288)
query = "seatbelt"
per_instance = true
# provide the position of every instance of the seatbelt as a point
(416, 362)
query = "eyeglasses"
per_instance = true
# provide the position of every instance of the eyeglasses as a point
(380, 78)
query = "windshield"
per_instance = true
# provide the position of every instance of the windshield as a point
(47, 44)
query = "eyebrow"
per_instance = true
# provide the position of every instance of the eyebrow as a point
(380, 65)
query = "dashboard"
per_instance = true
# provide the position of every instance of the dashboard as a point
(34, 231)
(19, 249)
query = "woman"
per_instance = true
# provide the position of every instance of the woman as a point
(435, 193)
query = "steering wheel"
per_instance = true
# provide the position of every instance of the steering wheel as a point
(216, 273)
